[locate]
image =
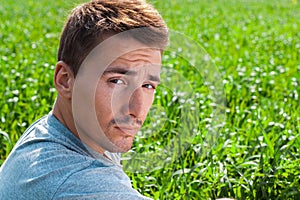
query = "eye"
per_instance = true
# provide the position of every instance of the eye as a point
(149, 86)
(117, 81)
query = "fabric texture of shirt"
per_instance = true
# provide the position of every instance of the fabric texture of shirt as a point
(49, 162)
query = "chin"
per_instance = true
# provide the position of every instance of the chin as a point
(123, 148)
(120, 147)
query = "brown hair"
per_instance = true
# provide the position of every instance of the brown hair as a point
(89, 23)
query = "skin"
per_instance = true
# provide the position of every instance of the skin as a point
(123, 97)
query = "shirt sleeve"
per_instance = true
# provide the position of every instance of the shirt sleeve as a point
(98, 183)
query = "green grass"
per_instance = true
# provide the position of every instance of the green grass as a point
(255, 45)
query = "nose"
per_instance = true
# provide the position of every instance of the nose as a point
(139, 104)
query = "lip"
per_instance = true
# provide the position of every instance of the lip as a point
(128, 131)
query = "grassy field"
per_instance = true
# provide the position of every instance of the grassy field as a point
(242, 143)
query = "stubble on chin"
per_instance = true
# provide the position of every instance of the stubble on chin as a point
(120, 143)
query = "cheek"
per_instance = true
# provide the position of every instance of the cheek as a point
(102, 101)
(108, 102)
(148, 102)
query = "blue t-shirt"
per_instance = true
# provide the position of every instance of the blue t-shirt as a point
(49, 162)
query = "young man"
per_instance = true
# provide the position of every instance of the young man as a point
(108, 67)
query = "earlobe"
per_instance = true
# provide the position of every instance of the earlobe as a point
(63, 80)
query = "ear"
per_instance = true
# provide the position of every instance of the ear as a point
(64, 80)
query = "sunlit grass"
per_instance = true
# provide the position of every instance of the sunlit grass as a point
(256, 48)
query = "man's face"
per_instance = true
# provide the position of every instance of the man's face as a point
(124, 95)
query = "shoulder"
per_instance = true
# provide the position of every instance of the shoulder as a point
(38, 169)
(95, 182)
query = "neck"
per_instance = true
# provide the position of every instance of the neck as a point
(62, 110)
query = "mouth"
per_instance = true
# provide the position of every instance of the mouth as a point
(128, 131)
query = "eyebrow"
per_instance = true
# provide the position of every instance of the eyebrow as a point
(123, 71)
(119, 71)
(154, 78)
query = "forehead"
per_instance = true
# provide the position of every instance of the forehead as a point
(146, 56)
